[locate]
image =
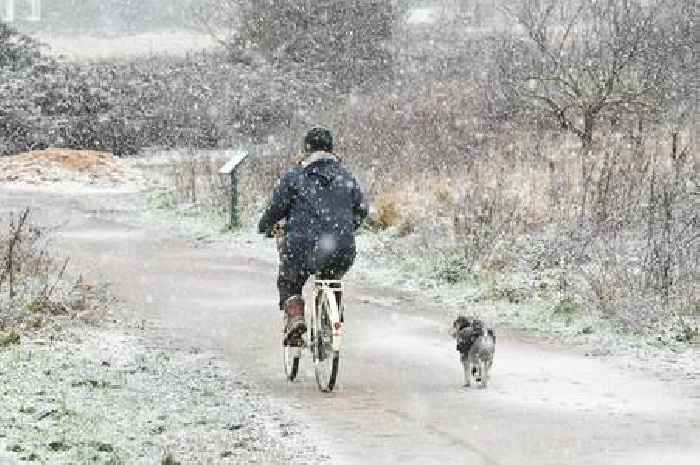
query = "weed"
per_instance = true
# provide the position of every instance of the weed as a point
(8, 338)
(94, 384)
(36, 306)
(512, 295)
(567, 309)
(443, 194)
(452, 270)
(387, 213)
(168, 459)
(35, 323)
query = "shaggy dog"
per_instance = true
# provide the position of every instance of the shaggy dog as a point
(476, 345)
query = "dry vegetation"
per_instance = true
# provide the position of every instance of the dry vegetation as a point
(35, 288)
(62, 165)
(463, 164)
(536, 137)
(459, 158)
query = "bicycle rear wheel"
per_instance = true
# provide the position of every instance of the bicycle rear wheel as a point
(326, 360)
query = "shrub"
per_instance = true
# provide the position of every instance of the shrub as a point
(8, 338)
(17, 51)
(343, 37)
(567, 309)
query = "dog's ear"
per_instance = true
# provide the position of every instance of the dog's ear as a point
(461, 322)
(455, 327)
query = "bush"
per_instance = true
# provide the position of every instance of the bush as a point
(8, 338)
(20, 62)
(198, 101)
(17, 51)
(567, 309)
(344, 37)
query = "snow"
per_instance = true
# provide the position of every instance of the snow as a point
(95, 47)
(116, 394)
(422, 15)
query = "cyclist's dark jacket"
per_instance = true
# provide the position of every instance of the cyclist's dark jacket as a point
(323, 205)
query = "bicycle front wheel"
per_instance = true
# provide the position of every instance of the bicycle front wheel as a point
(326, 360)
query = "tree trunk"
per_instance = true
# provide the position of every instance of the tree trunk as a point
(587, 136)
(586, 147)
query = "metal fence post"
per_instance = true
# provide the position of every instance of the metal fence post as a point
(232, 168)
(235, 214)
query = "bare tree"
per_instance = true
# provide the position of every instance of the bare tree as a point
(578, 61)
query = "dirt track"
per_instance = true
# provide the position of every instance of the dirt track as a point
(399, 399)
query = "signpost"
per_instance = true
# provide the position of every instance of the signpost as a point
(231, 169)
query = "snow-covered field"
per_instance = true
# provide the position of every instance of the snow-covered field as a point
(116, 392)
(92, 47)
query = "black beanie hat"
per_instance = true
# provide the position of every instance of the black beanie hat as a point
(318, 139)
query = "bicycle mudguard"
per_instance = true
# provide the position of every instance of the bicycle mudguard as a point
(334, 315)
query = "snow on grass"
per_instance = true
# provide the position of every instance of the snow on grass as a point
(113, 394)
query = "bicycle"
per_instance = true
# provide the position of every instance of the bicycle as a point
(325, 336)
(325, 332)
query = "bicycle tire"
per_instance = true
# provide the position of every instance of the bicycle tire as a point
(325, 378)
(335, 363)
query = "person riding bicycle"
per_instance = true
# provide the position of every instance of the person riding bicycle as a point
(323, 206)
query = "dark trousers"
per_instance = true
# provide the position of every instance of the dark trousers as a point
(295, 269)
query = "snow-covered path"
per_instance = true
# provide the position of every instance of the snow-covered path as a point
(399, 398)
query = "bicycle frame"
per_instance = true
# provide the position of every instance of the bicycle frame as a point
(329, 288)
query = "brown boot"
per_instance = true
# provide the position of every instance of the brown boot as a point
(295, 323)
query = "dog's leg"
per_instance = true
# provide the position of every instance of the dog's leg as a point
(465, 367)
(470, 370)
(488, 370)
(478, 375)
(484, 373)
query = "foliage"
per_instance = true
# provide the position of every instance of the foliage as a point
(10, 337)
(582, 61)
(17, 51)
(344, 38)
(20, 60)
(201, 100)
(567, 309)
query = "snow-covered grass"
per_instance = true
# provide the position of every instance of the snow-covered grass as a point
(116, 393)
